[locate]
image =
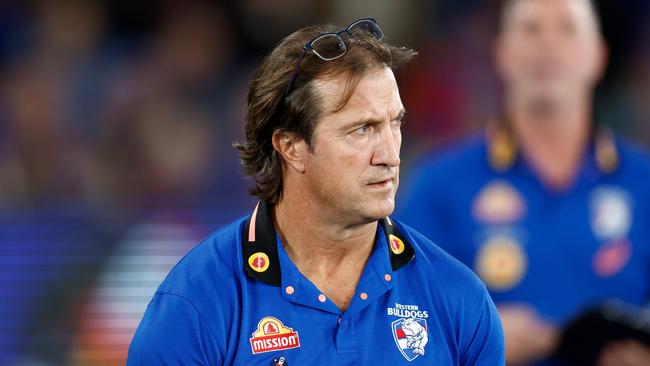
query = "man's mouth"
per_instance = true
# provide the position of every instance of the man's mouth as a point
(381, 183)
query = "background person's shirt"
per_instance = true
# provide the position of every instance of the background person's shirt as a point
(560, 252)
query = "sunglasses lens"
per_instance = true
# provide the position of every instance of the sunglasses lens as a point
(328, 46)
(366, 27)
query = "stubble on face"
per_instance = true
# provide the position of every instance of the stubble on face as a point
(353, 169)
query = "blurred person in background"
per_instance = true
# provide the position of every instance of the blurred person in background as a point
(170, 121)
(51, 242)
(171, 107)
(104, 142)
(51, 87)
(549, 207)
(318, 272)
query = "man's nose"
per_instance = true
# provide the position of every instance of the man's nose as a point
(387, 149)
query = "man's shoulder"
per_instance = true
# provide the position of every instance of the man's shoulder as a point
(634, 157)
(213, 261)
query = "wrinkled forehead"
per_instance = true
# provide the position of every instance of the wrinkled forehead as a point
(372, 92)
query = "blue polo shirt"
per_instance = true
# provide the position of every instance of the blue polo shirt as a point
(560, 252)
(237, 299)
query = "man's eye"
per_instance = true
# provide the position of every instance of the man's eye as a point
(363, 130)
(397, 123)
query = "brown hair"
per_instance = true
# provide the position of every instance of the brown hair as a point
(269, 110)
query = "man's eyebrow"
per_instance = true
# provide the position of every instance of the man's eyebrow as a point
(400, 115)
(373, 121)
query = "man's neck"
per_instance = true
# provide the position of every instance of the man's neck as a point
(554, 142)
(330, 254)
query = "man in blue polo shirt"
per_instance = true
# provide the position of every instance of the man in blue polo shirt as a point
(319, 274)
(550, 211)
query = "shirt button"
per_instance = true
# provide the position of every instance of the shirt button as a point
(289, 290)
(388, 277)
(322, 298)
(363, 296)
(339, 320)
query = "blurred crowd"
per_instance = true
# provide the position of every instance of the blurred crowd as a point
(117, 120)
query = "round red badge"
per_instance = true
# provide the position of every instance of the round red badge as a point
(259, 262)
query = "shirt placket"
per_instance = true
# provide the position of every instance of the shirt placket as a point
(375, 281)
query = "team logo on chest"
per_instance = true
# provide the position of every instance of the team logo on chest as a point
(272, 335)
(611, 213)
(410, 330)
(611, 221)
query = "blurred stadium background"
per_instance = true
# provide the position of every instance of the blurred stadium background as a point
(116, 125)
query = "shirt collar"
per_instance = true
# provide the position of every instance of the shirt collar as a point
(503, 147)
(260, 248)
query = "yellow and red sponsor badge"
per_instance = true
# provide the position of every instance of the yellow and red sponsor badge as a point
(501, 263)
(272, 335)
(259, 262)
(396, 244)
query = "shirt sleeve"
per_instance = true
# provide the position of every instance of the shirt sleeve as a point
(173, 332)
(483, 343)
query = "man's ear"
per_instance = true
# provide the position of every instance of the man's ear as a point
(292, 149)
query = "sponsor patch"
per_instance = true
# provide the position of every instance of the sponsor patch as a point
(259, 262)
(272, 335)
(501, 263)
(396, 244)
(612, 257)
(499, 202)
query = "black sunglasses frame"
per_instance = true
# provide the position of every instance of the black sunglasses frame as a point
(309, 47)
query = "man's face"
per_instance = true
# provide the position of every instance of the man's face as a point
(354, 167)
(549, 50)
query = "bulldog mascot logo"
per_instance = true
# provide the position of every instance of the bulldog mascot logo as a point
(411, 336)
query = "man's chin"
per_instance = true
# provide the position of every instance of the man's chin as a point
(382, 208)
(372, 207)
(546, 102)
